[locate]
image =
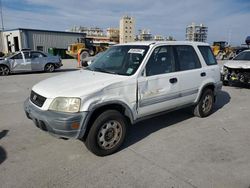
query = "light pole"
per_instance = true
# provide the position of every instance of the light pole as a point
(1, 9)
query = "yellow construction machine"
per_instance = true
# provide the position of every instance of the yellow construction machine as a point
(222, 50)
(85, 47)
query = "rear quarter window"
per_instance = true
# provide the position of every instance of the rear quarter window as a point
(208, 55)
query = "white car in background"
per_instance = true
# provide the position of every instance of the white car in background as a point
(237, 69)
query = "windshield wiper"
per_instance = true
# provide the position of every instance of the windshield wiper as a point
(104, 70)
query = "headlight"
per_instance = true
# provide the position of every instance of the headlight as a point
(63, 104)
(225, 69)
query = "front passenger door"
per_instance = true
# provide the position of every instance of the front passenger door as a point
(21, 62)
(158, 88)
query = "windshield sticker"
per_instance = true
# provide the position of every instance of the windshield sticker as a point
(136, 51)
(130, 70)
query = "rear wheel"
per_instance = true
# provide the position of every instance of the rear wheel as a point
(107, 133)
(49, 68)
(4, 70)
(205, 105)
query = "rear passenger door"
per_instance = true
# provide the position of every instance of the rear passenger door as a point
(191, 75)
(158, 87)
(38, 61)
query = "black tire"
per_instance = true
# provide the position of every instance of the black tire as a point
(49, 67)
(107, 133)
(4, 70)
(83, 55)
(205, 105)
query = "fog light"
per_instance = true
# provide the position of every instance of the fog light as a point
(75, 125)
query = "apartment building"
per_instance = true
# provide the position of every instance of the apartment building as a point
(196, 32)
(127, 29)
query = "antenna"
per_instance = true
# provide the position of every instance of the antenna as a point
(1, 9)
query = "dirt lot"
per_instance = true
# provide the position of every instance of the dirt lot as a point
(173, 150)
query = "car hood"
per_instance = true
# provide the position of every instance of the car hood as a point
(238, 64)
(75, 84)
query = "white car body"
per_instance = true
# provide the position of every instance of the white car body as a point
(237, 70)
(140, 96)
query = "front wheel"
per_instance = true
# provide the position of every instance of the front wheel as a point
(4, 70)
(205, 105)
(49, 68)
(107, 133)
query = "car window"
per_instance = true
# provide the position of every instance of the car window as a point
(161, 61)
(187, 58)
(26, 55)
(207, 55)
(123, 60)
(17, 56)
(243, 56)
(36, 55)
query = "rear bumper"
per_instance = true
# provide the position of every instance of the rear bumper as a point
(58, 65)
(58, 124)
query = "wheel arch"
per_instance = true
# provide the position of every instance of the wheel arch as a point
(203, 88)
(98, 109)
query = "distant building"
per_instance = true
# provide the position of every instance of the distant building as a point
(159, 38)
(144, 35)
(170, 38)
(196, 33)
(90, 32)
(113, 34)
(127, 29)
(17, 39)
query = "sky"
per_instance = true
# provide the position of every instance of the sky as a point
(227, 20)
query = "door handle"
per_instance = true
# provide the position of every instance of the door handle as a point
(203, 74)
(173, 80)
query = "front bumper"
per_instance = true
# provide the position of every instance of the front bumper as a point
(59, 124)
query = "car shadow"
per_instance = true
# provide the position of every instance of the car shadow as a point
(222, 99)
(3, 153)
(147, 127)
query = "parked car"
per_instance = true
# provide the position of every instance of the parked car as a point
(27, 60)
(237, 69)
(128, 83)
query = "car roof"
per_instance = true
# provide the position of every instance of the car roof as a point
(148, 43)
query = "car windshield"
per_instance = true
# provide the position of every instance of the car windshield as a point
(243, 56)
(122, 60)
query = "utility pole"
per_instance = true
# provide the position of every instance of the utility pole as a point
(1, 9)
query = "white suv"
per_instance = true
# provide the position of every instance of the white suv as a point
(127, 83)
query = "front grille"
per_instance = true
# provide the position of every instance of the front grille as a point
(37, 99)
